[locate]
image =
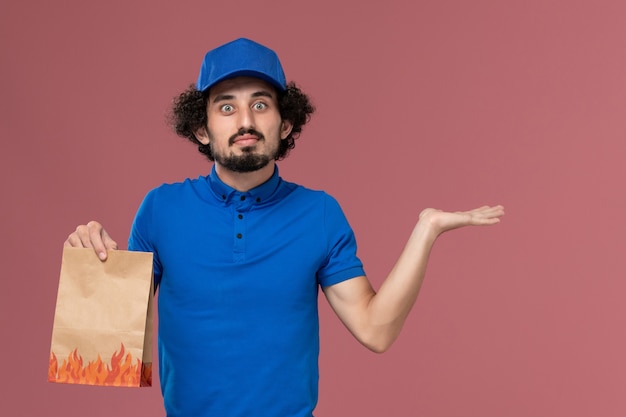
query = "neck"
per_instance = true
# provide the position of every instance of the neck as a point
(245, 181)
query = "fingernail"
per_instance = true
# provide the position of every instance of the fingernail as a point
(102, 256)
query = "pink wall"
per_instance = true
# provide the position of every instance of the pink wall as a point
(447, 103)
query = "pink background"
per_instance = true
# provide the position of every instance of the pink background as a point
(451, 104)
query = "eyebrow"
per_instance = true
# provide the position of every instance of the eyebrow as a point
(261, 93)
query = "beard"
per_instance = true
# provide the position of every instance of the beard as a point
(249, 160)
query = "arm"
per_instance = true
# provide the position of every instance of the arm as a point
(92, 235)
(376, 318)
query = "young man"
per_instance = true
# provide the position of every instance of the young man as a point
(239, 255)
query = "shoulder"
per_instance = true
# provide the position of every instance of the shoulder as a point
(309, 194)
(176, 189)
(179, 186)
(186, 192)
(315, 206)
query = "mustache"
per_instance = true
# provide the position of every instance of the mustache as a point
(242, 132)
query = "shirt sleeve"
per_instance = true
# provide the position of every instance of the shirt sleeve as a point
(341, 262)
(141, 234)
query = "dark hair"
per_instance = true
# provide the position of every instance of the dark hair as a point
(189, 113)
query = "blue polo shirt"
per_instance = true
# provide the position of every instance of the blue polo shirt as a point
(238, 276)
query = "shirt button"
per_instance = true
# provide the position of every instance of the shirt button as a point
(239, 235)
(240, 216)
(243, 197)
(258, 200)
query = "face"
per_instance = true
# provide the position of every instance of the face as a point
(244, 124)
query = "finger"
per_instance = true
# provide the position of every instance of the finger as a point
(96, 239)
(109, 243)
(489, 221)
(486, 220)
(485, 215)
(496, 211)
(490, 211)
(80, 238)
(73, 241)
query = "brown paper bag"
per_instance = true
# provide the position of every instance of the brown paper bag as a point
(102, 332)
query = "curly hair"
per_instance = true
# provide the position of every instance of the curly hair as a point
(189, 113)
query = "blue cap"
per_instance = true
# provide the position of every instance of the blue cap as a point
(241, 57)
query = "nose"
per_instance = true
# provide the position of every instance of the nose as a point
(246, 118)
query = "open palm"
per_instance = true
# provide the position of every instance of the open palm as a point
(443, 221)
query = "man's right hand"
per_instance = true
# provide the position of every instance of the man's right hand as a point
(91, 235)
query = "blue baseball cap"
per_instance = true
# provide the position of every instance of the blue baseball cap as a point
(241, 57)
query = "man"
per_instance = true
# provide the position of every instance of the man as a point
(239, 255)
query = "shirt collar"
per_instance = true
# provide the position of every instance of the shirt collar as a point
(259, 194)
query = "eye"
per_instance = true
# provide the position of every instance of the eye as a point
(259, 106)
(227, 108)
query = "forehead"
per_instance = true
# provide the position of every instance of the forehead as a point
(241, 86)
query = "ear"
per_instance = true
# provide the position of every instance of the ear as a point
(202, 135)
(285, 129)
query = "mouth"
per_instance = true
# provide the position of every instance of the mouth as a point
(246, 138)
